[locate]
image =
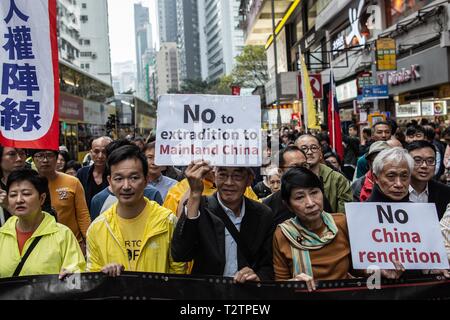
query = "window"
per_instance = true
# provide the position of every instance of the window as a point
(396, 10)
(84, 5)
(86, 54)
(87, 65)
(84, 18)
(87, 42)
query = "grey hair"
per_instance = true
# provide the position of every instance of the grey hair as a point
(395, 155)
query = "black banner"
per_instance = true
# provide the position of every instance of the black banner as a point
(152, 286)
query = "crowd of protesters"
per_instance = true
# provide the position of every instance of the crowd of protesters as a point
(119, 211)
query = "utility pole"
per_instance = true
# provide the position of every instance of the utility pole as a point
(277, 89)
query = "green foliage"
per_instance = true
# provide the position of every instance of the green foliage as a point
(251, 67)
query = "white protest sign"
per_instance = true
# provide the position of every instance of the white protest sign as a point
(406, 232)
(225, 130)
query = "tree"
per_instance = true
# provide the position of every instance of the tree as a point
(192, 86)
(251, 67)
(222, 85)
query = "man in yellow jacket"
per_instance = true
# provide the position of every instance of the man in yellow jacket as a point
(135, 233)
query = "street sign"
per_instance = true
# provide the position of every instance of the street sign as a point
(316, 86)
(375, 92)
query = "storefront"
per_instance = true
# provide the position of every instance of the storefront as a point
(421, 85)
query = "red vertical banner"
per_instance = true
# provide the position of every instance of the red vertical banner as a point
(334, 121)
(29, 90)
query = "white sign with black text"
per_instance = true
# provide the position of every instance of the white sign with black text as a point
(225, 130)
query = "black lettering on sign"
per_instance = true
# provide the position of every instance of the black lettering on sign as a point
(399, 215)
(207, 115)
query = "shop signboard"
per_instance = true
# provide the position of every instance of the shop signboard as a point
(386, 54)
(347, 91)
(316, 86)
(70, 107)
(407, 110)
(364, 79)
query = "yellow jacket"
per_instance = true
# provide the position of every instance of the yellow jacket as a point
(105, 243)
(57, 249)
(177, 192)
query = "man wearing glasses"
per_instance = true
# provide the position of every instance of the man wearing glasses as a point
(422, 186)
(226, 234)
(336, 186)
(66, 193)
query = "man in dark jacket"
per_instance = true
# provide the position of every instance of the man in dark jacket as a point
(93, 178)
(225, 234)
(423, 188)
(392, 169)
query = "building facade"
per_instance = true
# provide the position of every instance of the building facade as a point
(95, 56)
(167, 68)
(188, 39)
(124, 77)
(141, 27)
(167, 20)
(343, 35)
(69, 27)
(222, 37)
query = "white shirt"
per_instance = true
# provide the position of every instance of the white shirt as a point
(414, 196)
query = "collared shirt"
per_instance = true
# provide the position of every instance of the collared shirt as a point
(414, 196)
(163, 184)
(231, 258)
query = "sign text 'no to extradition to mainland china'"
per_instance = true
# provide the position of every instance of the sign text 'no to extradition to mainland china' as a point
(381, 233)
(225, 130)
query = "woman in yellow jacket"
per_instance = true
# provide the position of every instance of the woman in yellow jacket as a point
(50, 247)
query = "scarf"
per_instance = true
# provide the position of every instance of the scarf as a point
(302, 240)
(367, 187)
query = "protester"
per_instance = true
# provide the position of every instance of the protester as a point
(53, 247)
(422, 186)
(440, 151)
(156, 178)
(72, 167)
(262, 188)
(135, 234)
(314, 245)
(392, 169)
(140, 142)
(414, 133)
(93, 177)
(103, 200)
(11, 159)
(362, 187)
(332, 160)
(66, 193)
(336, 187)
(226, 234)
(381, 131)
(445, 228)
(63, 158)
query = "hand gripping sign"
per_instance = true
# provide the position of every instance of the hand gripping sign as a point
(29, 89)
(405, 232)
(225, 130)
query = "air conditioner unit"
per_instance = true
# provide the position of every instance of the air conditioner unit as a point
(94, 56)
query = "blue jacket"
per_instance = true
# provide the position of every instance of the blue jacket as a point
(103, 200)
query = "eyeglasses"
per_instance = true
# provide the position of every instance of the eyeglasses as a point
(15, 154)
(314, 148)
(302, 165)
(222, 176)
(48, 155)
(429, 161)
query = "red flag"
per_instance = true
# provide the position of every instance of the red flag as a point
(334, 122)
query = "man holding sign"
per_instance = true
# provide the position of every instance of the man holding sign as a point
(391, 228)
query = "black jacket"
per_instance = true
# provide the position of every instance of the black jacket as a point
(439, 194)
(87, 181)
(378, 196)
(203, 239)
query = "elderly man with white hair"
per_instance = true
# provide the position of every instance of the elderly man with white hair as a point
(392, 169)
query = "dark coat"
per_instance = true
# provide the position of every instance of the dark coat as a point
(439, 194)
(378, 196)
(203, 239)
(87, 181)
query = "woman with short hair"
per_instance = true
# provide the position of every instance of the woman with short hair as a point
(314, 245)
(52, 247)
